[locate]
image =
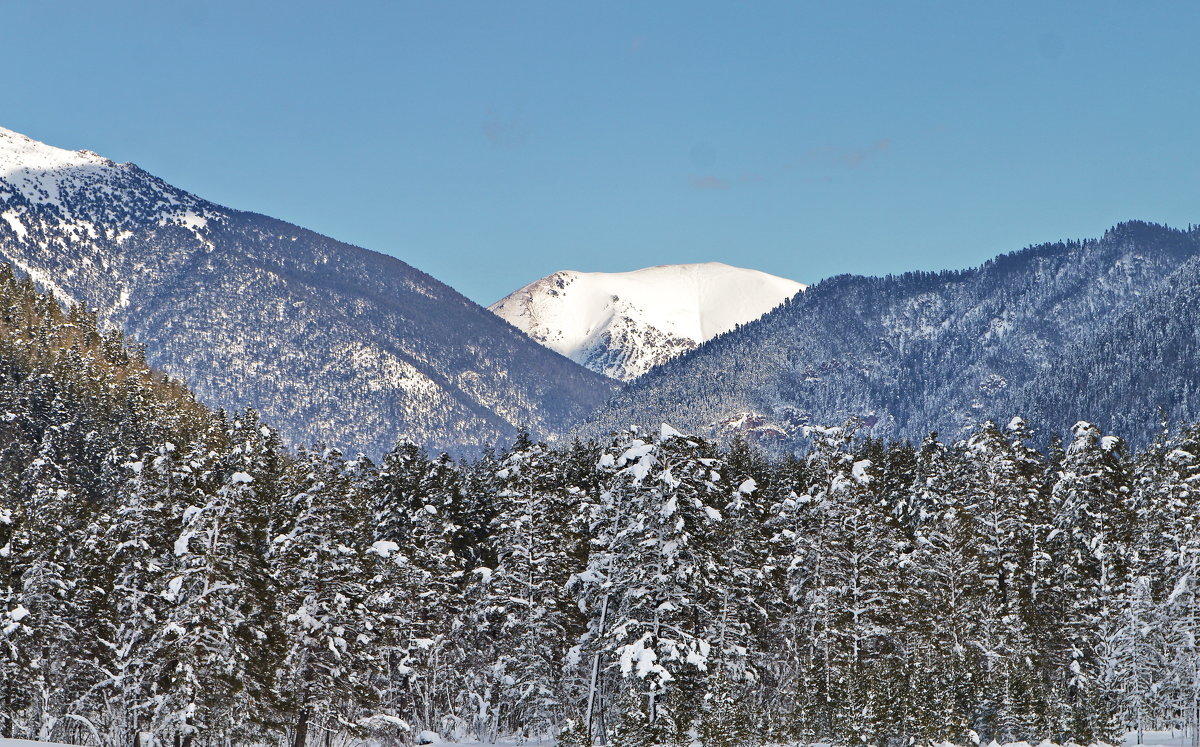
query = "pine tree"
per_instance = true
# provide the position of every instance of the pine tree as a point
(640, 590)
(946, 593)
(726, 720)
(1091, 546)
(219, 640)
(422, 578)
(136, 536)
(324, 580)
(1004, 495)
(737, 597)
(532, 567)
(41, 549)
(1175, 486)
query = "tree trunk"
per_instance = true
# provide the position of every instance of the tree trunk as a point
(300, 739)
(593, 685)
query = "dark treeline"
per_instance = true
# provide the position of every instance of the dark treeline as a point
(173, 571)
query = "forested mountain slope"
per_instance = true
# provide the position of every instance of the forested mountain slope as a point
(1141, 366)
(1062, 331)
(331, 342)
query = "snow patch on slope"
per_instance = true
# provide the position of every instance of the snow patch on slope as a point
(14, 222)
(622, 324)
(42, 280)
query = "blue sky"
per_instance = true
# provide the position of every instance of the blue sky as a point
(491, 143)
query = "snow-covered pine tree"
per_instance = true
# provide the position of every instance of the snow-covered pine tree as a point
(16, 631)
(640, 590)
(736, 598)
(1138, 659)
(533, 566)
(40, 552)
(725, 719)
(75, 403)
(943, 595)
(1174, 488)
(777, 496)
(422, 573)
(13, 631)
(1141, 644)
(324, 577)
(137, 539)
(852, 593)
(803, 526)
(221, 645)
(1003, 495)
(1090, 547)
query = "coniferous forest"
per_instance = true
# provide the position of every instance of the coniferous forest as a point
(173, 571)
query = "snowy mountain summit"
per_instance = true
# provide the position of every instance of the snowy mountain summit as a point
(31, 166)
(80, 186)
(622, 324)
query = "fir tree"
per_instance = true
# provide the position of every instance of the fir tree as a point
(324, 581)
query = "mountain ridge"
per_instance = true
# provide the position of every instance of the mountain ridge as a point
(922, 351)
(332, 342)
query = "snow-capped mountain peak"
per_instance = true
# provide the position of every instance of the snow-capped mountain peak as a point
(19, 151)
(36, 170)
(622, 324)
(85, 190)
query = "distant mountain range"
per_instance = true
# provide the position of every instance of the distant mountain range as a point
(340, 345)
(622, 324)
(1105, 330)
(331, 342)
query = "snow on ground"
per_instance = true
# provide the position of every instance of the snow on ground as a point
(1160, 739)
(501, 743)
(1149, 739)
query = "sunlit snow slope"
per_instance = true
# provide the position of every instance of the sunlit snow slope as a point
(622, 324)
